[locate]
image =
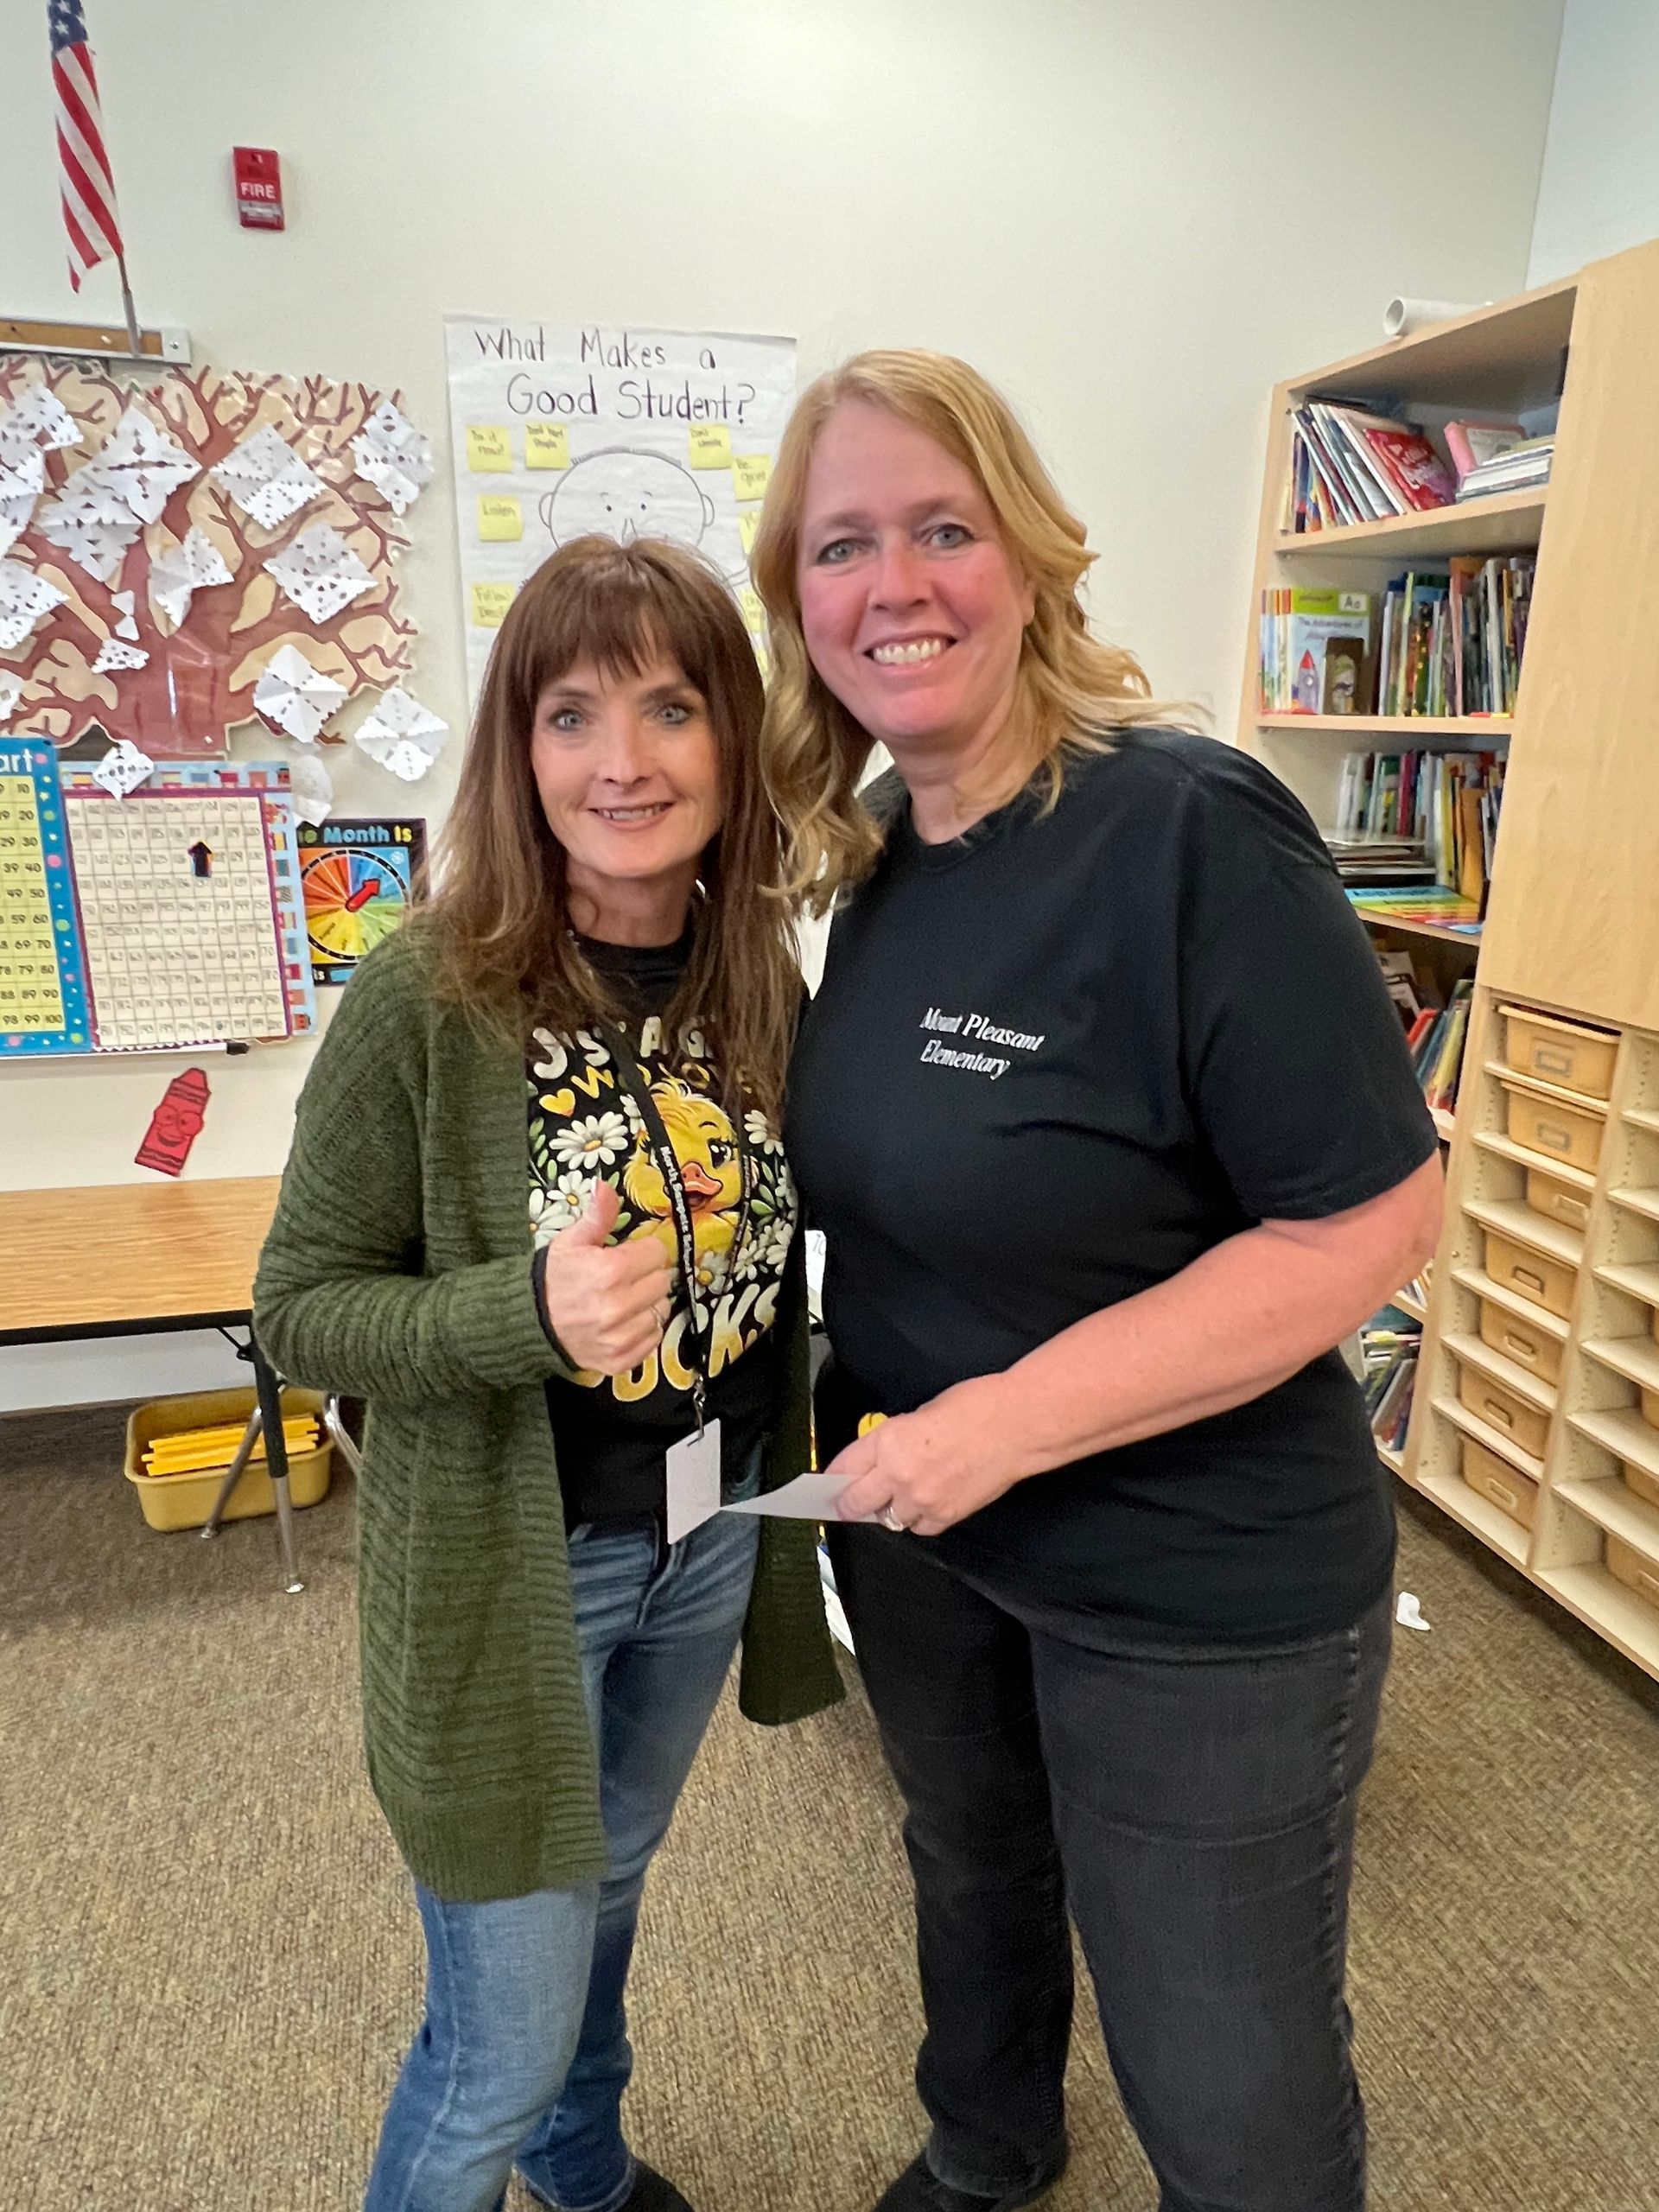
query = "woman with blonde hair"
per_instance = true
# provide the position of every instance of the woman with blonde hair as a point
(1110, 1125)
(537, 1215)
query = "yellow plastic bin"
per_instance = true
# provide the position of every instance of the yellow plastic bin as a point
(185, 1501)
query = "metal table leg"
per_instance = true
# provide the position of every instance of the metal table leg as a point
(271, 1408)
(244, 1453)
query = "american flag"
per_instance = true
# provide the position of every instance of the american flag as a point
(89, 213)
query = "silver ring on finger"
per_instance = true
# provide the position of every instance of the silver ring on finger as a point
(889, 1519)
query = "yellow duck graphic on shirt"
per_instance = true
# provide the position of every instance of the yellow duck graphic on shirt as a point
(697, 1129)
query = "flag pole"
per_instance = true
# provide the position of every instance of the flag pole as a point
(126, 301)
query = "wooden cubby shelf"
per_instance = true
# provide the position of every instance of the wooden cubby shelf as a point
(1543, 1303)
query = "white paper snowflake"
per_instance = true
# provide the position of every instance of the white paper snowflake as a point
(42, 416)
(25, 600)
(403, 735)
(124, 602)
(267, 479)
(294, 697)
(113, 654)
(320, 573)
(91, 522)
(182, 570)
(311, 790)
(22, 479)
(11, 690)
(123, 768)
(393, 456)
(143, 464)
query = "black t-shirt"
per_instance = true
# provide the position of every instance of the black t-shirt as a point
(613, 1433)
(1052, 1063)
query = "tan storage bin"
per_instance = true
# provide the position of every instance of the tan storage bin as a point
(1644, 1486)
(1549, 1283)
(1555, 1200)
(1633, 1568)
(1650, 1407)
(1506, 1487)
(1524, 1424)
(1564, 1053)
(1559, 1131)
(1523, 1342)
(185, 1501)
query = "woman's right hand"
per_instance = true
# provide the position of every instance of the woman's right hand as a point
(608, 1304)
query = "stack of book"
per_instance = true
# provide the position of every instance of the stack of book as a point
(1436, 1039)
(1418, 905)
(1316, 652)
(1364, 858)
(1453, 639)
(1443, 808)
(1349, 465)
(1522, 467)
(1389, 1346)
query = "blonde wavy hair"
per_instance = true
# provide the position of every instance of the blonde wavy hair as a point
(1071, 690)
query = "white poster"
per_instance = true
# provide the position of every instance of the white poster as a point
(562, 429)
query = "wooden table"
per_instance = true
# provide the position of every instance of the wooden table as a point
(123, 1259)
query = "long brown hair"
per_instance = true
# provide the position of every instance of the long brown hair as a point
(1072, 688)
(499, 923)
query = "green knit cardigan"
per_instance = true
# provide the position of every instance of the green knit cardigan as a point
(397, 1271)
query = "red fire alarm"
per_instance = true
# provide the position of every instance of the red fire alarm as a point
(258, 188)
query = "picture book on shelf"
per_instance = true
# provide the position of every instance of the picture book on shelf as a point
(1316, 651)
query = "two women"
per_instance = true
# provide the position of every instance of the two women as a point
(1110, 1125)
(537, 1215)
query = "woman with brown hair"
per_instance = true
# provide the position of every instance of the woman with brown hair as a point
(537, 1215)
(1110, 1125)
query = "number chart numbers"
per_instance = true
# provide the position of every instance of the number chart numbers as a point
(42, 1001)
(182, 940)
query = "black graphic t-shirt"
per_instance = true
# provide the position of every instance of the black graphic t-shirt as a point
(612, 1432)
(1050, 1064)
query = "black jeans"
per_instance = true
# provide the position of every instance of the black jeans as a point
(1195, 1805)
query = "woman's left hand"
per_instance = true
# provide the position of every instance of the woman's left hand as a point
(928, 1470)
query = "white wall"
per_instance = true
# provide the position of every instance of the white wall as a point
(1135, 219)
(1599, 190)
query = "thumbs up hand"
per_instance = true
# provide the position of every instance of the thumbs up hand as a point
(606, 1304)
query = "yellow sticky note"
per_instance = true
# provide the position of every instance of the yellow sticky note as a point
(763, 660)
(711, 445)
(490, 605)
(753, 613)
(748, 522)
(499, 518)
(750, 473)
(488, 447)
(547, 445)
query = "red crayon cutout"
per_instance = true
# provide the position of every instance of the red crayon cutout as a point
(175, 1124)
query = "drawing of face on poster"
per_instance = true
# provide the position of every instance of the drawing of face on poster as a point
(618, 492)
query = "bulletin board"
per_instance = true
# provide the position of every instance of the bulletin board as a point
(561, 430)
(168, 919)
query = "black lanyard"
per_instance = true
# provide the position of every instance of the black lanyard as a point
(701, 1332)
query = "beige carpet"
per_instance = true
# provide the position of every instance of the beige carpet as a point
(208, 1965)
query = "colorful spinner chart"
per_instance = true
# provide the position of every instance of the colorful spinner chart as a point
(358, 877)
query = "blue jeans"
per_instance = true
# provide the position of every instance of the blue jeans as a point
(524, 2052)
(1194, 1804)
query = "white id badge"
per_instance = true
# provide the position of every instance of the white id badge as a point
(693, 1482)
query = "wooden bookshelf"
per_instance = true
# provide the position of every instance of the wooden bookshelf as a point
(1509, 522)
(1422, 730)
(1572, 933)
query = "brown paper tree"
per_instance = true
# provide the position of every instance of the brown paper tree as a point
(198, 682)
